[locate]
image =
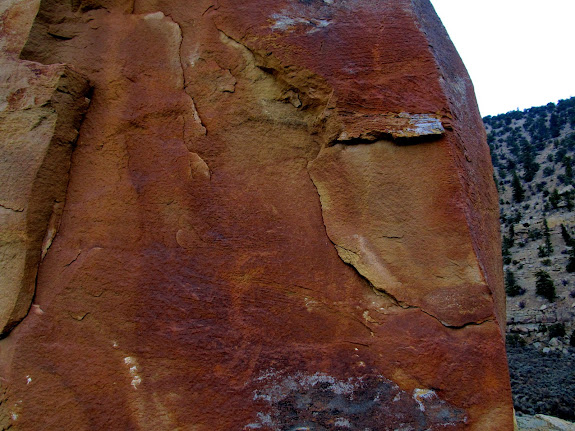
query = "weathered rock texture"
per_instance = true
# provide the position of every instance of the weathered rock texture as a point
(41, 107)
(280, 215)
(543, 423)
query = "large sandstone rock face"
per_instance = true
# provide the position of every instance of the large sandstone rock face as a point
(280, 215)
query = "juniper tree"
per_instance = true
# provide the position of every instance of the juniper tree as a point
(571, 261)
(547, 235)
(554, 199)
(518, 190)
(505, 252)
(546, 249)
(568, 201)
(509, 239)
(544, 285)
(554, 125)
(530, 167)
(567, 162)
(511, 286)
(566, 237)
(557, 330)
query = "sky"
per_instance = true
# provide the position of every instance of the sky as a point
(519, 53)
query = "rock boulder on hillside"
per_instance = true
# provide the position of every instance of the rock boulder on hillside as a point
(281, 215)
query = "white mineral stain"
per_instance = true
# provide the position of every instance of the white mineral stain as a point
(136, 381)
(310, 304)
(343, 136)
(133, 370)
(422, 125)
(368, 318)
(342, 422)
(37, 310)
(420, 395)
(155, 15)
(318, 24)
(265, 419)
(194, 56)
(286, 20)
(268, 374)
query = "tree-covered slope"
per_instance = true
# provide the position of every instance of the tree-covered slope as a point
(533, 153)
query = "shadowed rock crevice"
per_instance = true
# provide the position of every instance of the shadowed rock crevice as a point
(7, 207)
(199, 129)
(376, 135)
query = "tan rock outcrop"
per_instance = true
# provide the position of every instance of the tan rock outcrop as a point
(543, 423)
(41, 107)
(280, 215)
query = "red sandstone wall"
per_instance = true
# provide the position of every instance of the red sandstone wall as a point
(280, 215)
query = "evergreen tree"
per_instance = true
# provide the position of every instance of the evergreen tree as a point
(539, 131)
(505, 252)
(566, 237)
(557, 330)
(511, 286)
(547, 236)
(567, 162)
(518, 190)
(530, 167)
(511, 235)
(568, 201)
(542, 251)
(544, 285)
(554, 199)
(548, 171)
(554, 125)
(571, 262)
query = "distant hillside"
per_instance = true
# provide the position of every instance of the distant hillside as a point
(533, 156)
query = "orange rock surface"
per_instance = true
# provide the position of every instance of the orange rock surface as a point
(280, 216)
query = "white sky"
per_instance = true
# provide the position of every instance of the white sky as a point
(519, 53)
